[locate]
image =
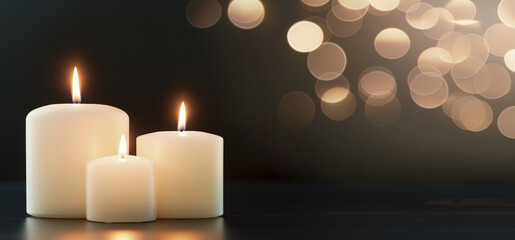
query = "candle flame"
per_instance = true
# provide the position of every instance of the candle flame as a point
(182, 119)
(122, 150)
(75, 87)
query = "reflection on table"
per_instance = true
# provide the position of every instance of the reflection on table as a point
(195, 229)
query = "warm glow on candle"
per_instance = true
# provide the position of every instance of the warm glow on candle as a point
(122, 150)
(75, 87)
(182, 119)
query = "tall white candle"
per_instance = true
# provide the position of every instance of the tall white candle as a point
(60, 140)
(189, 171)
(120, 188)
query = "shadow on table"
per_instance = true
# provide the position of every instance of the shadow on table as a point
(195, 229)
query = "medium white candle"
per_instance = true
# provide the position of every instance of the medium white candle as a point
(189, 175)
(120, 188)
(60, 140)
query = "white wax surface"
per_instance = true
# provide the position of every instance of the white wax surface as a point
(189, 172)
(120, 190)
(60, 140)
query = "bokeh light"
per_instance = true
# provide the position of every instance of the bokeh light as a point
(472, 114)
(404, 5)
(347, 14)
(246, 14)
(443, 25)
(327, 62)
(433, 58)
(500, 39)
(384, 5)
(321, 23)
(342, 28)
(384, 115)
(392, 43)
(354, 4)
(426, 83)
(492, 81)
(305, 36)
(296, 110)
(506, 122)
(419, 17)
(451, 100)
(506, 12)
(315, 3)
(377, 86)
(429, 90)
(456, 45)
(332, 91)
(341, 110)
(203, 13)
(461, 9)
(509, 60)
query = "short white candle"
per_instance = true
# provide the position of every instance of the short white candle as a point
(120, 188)
(189, 171)
(60, 140)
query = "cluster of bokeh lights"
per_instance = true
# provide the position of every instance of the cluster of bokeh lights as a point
(454, 74)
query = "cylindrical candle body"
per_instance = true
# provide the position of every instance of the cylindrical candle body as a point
(189, 172)
(120, 190)
(60, 140)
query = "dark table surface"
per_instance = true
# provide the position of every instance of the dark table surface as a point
(282, 210)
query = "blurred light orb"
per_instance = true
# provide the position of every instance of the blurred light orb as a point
(392, 43)
(429, 97)
(500, 39)
(347, 14)
(417, 71)
(246, 14)
(509, 60)
(322, 24)
(472, 114)
(377, 83)
(342, 28)
(492, 81)
(384, 5)
(506, 12)
(296, 110)
(341, 110)
(305, 36)
(332, 91)
(377, 86)
(443, 25)
(404, 5)
(463, 74)
(462, 10)
(456, 45)
(478, 46)
(327, 62)
(426, 83)
(434, 58)
(315, 3)
(354, 4)
(384, 115)
(506, 122)
(419, 16)
(203, 13)
(450, 101)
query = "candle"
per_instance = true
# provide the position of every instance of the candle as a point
(189, 175)
(60, 140)
(120, 188)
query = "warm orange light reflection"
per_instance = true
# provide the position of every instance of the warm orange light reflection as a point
(182, 119)
(75, 87)
(122, 150)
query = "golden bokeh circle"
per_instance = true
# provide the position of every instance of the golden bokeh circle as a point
(392, 43)
(305, 36)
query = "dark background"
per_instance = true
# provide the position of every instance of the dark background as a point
(144, 57)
